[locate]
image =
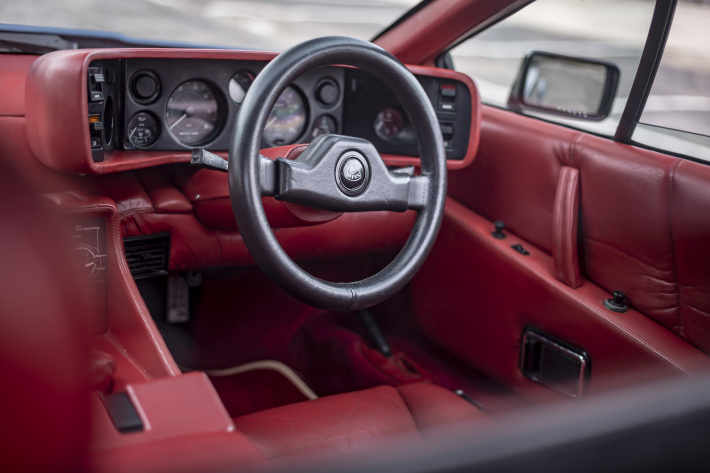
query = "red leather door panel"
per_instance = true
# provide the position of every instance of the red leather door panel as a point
(641, 230)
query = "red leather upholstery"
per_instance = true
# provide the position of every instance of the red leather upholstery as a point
(435, 408)
(186, 429)
(13, 70)
(645, 232)
(565, 221)
(487, 293)
(627, 237)
(515, 180)
(43, 340)
(208, 191)
(218, 452)
(690, 232)
(129, 324)
(642, 230)
(348, 424)
(421, 37)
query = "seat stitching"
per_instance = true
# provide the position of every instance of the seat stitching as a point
(674, 242)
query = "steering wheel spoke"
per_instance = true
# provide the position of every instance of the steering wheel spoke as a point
(342, 174)
(268, 177)
(418, 192)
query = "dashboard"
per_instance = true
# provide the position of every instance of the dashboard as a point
(144, 108)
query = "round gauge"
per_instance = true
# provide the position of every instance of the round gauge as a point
(239, 84)
(88, 259)
(287, 119)
(389, 124)
(324, 125)
(143, 129)
(192, 113)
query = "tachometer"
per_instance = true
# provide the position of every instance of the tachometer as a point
(192, 113)
(287, 119)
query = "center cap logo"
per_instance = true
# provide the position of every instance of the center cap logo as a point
(352, 174)
(352, 171)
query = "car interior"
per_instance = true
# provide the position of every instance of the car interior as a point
(221, 260)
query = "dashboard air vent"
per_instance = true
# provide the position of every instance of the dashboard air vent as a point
(148, 255)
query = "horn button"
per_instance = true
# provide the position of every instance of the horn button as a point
(352, 173)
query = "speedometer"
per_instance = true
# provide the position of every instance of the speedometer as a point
(192, 113)
(287, 119)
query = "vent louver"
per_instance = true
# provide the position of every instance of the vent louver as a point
(148, 255)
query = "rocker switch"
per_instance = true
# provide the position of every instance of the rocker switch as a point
(447, 97)
(447, 132)
(96, 80)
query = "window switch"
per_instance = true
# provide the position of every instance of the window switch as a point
(96, 78)
(447, 90)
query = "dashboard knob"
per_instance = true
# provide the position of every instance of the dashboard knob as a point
(145, 87)
(328, 92)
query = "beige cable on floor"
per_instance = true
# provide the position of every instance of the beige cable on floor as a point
(273, 365)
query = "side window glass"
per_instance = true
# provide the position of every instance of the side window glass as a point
(612, 31)
(676, 117)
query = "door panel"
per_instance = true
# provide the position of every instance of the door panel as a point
(475, 294)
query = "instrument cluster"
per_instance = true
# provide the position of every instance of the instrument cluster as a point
(172, 104)
(176, 104)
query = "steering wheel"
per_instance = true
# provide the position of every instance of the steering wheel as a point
(337, 173)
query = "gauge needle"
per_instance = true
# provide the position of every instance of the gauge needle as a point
(184, 115)
(270, 122)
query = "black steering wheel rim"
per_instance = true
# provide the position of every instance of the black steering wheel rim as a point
(245, 168)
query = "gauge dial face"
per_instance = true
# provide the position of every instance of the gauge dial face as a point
(388, 124)
(287, 119)
(239, 85)
(324, 125)
(143, 129)
(192, 113)
(88, 259)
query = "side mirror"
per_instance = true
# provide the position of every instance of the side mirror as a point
(567, 86)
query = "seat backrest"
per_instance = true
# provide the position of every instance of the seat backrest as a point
(43, 339)
(646, 230)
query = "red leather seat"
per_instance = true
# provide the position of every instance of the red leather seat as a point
(43, 341)
(348, 424)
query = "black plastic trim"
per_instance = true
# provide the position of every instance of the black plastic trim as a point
(516, 101)
(646, 72)
(123, 413)
(533, 346)
(133, 83)
(132, 249)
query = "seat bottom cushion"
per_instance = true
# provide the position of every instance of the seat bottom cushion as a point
(344, 425)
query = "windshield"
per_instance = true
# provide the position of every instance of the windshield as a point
(256, 24)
